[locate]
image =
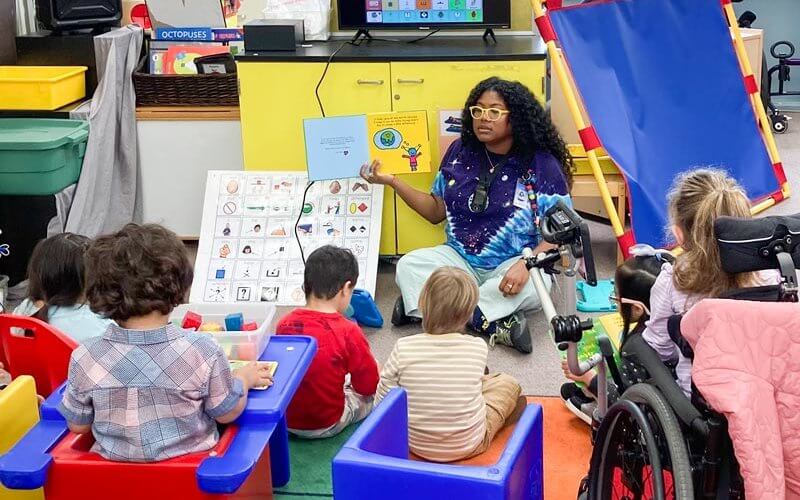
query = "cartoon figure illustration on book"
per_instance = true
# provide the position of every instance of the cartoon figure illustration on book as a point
(412, 155)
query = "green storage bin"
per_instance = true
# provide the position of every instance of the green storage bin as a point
(40, 156)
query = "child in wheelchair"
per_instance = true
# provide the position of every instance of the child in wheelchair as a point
(697, 199)
(670, 286)
(633, 281)
(654, 442)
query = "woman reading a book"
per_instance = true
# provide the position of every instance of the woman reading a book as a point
(507, 169)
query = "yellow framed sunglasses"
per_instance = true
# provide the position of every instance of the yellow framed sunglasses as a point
(490, 114)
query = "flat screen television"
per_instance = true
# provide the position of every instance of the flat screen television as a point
(423, 14)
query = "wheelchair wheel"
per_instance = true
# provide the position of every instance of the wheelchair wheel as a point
(640, 452)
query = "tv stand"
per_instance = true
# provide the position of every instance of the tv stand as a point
(489, 33)
(361, 32)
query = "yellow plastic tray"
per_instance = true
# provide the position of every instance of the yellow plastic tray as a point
(581, 161)
(41, 87)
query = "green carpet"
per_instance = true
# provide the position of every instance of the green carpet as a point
(311, 466)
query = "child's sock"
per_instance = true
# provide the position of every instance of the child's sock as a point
(480, 324)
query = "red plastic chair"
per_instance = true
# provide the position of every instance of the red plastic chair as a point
(29, 346)
(78, 473)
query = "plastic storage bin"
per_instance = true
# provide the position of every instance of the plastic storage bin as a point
(40, 156)
(581, 161)
(41, 87)
(246, 346)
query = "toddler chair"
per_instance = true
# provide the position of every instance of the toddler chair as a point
(251, 455)
(374, 463)
(29, 346)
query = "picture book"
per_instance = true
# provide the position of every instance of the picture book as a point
(179, 59)
(272, 365)
(400, 141)
(337, 147)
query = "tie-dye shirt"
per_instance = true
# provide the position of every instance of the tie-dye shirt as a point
(485, 240)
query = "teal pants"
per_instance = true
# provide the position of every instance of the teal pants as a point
(414, 268)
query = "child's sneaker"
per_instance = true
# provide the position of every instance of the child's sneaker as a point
(513, 332)
(578, 403)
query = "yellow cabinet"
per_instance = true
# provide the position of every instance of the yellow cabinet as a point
(275, 97)
(444, 85)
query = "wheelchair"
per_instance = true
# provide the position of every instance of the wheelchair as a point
(650, 440)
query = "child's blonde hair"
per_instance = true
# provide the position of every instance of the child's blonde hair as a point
(696, 200)
(448, 300)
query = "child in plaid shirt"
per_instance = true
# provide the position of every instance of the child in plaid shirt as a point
(147, 389)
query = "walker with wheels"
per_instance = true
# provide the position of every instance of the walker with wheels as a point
(783, 51)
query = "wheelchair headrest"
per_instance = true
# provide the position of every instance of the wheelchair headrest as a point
(748, 245)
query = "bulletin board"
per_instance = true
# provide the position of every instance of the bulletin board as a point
(248, 251)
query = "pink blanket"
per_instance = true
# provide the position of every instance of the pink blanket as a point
(747, 366)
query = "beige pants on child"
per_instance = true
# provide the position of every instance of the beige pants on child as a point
(501, 392)
(356, 409)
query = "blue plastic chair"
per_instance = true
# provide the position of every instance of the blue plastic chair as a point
(374, 463)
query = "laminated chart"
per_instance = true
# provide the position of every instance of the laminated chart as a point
(248, 251)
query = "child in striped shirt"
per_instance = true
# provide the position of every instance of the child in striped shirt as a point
(454, 409)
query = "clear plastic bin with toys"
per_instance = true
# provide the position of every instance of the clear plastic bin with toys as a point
(242, 330)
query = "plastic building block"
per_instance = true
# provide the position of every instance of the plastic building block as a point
(234, 322)
(191, 321)
(365, 311)
(595, 298)
(210, 327)
(249, 327)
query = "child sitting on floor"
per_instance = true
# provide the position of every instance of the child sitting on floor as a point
(633, 281)
(339, 386)
(56, 285)
(147, 389)
(454, 410)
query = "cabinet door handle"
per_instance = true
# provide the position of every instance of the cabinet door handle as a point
(411, 80)
(369, 82)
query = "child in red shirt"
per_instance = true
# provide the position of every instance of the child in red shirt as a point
(340, 384)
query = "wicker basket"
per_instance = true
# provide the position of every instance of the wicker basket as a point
(184, 90)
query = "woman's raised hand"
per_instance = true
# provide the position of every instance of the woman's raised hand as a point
(371, 173)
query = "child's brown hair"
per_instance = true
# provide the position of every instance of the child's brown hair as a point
(448, 300)
(137, 270)
(696, 200)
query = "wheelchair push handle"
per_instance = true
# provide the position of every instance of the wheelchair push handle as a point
(563, 227)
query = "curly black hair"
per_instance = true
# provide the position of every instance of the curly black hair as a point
(530, 124)
(136, 271)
